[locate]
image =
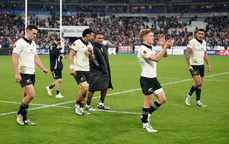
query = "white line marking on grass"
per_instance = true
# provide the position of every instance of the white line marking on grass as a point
(45, 106)
(20, 103)
(55, 105)
(113, 111)
(167, 78)
(217, 80)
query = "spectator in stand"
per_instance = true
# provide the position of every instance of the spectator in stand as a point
(119, 30)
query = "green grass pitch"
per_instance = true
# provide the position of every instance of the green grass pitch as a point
(176, 123)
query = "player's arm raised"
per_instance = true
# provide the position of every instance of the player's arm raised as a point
(207, 60)
(187, 53)
(161, 42)
(70, 59)
(39, 63)
(157, 57)
(15, 66)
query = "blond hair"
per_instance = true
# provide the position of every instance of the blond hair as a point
(144, 32)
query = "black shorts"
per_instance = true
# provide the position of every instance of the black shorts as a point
(149, 85)
(197, 70)
(57, 74)
(82, 76)
(27, 79)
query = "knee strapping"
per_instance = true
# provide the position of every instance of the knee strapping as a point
(83, 84)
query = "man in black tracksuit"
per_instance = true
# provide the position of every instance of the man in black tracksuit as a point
(56, 66)
(100, 77)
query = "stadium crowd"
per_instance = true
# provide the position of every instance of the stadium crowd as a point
(217, 31)
(117, 30)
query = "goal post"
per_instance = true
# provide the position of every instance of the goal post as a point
(40, 28)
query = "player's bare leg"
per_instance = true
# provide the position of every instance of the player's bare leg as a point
(28, 94)
(57, 82)
(145, 114)
(198, 93)
(198, 82)
(81, 99)
(101, 104)
(89, 99)
(161, 99)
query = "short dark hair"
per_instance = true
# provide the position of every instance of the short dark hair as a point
(200, 29)
(87, 31)
(98, 33)
(32, 26)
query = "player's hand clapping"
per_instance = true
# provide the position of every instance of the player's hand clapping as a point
(169, 43)
(161, 40)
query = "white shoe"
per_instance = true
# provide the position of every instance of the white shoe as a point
(199, 104)
(148, 128)
(77, 110)
(103, 106)
(187, 100)
(28, 122)
(88, 107)
(49, 91)
(84, 112)
(20, 119)
(59, 96)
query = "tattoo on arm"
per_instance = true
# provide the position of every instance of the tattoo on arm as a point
(188, 51)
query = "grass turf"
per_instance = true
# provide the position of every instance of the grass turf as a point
(176, 122)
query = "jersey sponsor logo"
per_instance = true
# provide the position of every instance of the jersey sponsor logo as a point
(144, 52)
(14, 46)
(74, 44)
(188, 43)
(150, 90)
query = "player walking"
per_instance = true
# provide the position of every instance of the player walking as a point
(25, 52)
(80, 54)
(197, 48)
